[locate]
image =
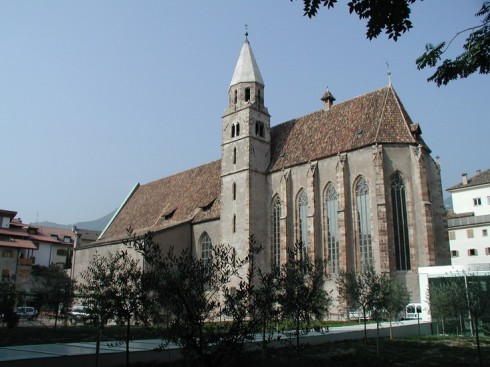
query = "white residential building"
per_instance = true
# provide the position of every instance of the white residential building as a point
(469, 225)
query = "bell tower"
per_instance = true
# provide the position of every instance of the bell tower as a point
(245, 156)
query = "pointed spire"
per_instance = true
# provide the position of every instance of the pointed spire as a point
(246, 69)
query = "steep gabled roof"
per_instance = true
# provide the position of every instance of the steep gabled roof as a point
(189, 196)
(376, 117)
(194, 196)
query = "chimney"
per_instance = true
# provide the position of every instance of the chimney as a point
(328, 100)
(464, 176)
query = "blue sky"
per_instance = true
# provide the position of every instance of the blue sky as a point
(96, 96)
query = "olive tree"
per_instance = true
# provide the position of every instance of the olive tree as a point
(302, 294)
(113, 288)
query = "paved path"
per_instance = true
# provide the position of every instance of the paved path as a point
(111, 354)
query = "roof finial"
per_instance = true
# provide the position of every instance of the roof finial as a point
(246, 32)
(388, 72)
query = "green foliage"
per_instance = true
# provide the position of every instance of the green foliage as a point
(197, 293)
(474, 58)
(53, 289)
(302, 294)
(392, 16)
(113, 288)
(8, 298)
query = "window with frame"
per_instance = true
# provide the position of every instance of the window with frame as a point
(472, 252)
(332, 224)
(476, 201)
(488, 200)
(61, 252)
(259, 128)
(247, 94)
(487, 250)
(66, 239)
(303, 221)
(452, 235)
(484, 232)
(363, 206)
(469, 233)
(206, 247)
(454, 253)
(7, 253)
(400, 223)
(276, 231)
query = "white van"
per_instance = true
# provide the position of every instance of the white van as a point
(413, 311)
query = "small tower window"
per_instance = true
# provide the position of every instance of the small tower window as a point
(234, 155)
(259, 129)
(233, 130)
(234, 223)
(247, 94)
(259, 96)
(234, 191)
(236, 96)
(237, 129)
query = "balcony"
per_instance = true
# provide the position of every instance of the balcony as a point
(26, 262)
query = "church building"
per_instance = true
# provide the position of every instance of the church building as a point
(354, 181)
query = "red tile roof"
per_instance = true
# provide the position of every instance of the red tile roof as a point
(189, 196)
(19, 243)
(376, 117)
(194, 195)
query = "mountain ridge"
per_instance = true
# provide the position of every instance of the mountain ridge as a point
(93, 225)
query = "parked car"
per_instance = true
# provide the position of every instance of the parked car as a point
(29, 313)
(80, 314)
(356, 314)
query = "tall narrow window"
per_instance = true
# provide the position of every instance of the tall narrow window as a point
(259, 96)
(247, 94)
(332, 208)
(237, 129)
(206, 247)
(364, 224)
(233, 130)
(234, 191)
(234, 155)
(259, 128)
(400, 223)
(276, 231)
(303, 221)
(234, 223)
(236, 96)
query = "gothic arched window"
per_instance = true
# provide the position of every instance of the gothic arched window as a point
(232, 130)
(234, 155)
(363, 206)
(400, 222)
(303, 220)
(237, 129)
(276, 231)
(206, 247)
(332, 224)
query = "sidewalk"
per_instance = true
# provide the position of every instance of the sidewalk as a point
(111, 355)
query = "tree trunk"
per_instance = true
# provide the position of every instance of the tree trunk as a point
(97, 346)
(478, 341)
(127, 339)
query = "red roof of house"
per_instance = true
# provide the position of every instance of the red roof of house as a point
(19, 243)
